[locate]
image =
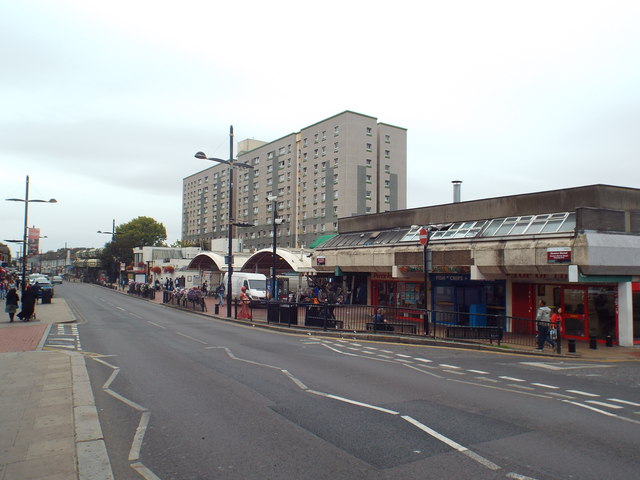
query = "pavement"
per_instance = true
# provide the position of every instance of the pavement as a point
(50, 427)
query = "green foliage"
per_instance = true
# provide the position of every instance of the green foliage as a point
(139, 232)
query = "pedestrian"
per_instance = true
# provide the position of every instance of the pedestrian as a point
(11, 303)
(245, 311)
(28, 304)
(380, 322)
(543, 317)
(556, 323)
(220, 292)
(204, 288)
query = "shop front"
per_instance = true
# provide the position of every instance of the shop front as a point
(586, 310)
(454, 297)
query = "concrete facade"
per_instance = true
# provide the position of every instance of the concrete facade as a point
(601, 250)
(345, 165)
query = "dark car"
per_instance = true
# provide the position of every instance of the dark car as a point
(41, 285)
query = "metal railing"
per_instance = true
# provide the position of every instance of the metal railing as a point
(462, 326)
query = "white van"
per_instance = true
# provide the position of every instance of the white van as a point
(256, 284)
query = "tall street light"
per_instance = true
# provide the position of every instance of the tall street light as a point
(275, 221)
(232, 164)
(26, 201)
(113, 234)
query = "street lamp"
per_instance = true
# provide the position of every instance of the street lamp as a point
(275, 221)
(26, 201)
(232, 164)
(113, 234)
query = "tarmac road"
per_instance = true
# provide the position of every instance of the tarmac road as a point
(221, 400)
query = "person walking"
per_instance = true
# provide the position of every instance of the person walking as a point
(11, 303)
(28, 304)
(220, 291)
(543, 317)
(245, 311)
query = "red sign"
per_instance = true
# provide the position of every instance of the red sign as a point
(424, 236)
(559, 255)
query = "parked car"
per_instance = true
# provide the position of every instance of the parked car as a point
(56, 279)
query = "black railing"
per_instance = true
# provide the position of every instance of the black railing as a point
(480, 328)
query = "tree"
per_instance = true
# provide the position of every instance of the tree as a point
(139, 232)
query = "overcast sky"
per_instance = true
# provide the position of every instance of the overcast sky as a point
(103, 104)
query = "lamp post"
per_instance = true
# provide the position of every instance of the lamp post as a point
(232, 164)
(275, 221)
(113, 234)
(26, 201)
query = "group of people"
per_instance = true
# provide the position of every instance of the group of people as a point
(12, 300)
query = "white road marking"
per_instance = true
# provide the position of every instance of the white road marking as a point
(425, 360)
(353, 402)
(565, 366)
(156, 325)
(386, 351)
(385, 356)
(445, 365)
(125, 400)
(560, 395)
(512, 379)
(402, 355)
(523, 387)
(580, 392)
(517, 476)
(544, 385)
(456, 446)
(578, 404)
(120, 308)
(455, 372)
(134, 453)
(144, 472)
(603, 404)
(624, 402)
(191, 338)
(481, 372)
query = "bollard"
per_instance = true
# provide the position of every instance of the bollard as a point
(572, 345)
(216, 308)
(593, 343)
(609, 341)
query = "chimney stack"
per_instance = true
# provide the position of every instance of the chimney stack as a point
(456, 190)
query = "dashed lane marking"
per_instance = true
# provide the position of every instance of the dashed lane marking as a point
(585, 394)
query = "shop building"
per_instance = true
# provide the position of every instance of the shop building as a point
(578, 249)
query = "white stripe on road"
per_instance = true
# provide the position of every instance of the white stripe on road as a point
(353, 402)
(191, 338)
(134, 453)
(512, 379)
(517, 476)
(481, 372)
(578, 404)
(425, 360)
(156, 325)
(580, 392)
(456, 446)
(603, 404)
(446, 365)
(544, 385)
(120, 308)
(624, 402)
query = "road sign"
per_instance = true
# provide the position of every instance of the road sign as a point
(424, 236)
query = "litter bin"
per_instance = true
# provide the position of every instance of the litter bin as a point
(572, 345)
(46, 296)
(593, 342)
(289, 313)
(609, 341)
(273, 311)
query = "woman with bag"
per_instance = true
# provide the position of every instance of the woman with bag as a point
(12, 303)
